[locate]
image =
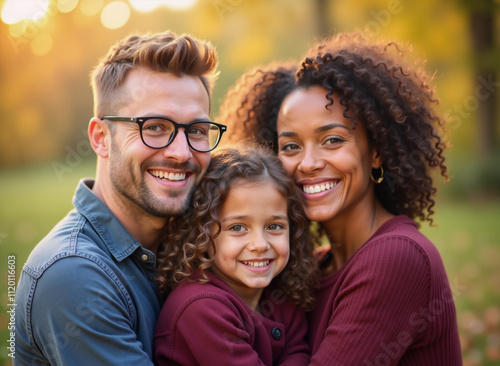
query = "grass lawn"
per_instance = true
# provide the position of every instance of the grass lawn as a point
(34, 199)
(468, 237)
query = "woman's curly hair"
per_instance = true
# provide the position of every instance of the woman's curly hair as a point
(394, 104)
(250, 107)
(190, 239)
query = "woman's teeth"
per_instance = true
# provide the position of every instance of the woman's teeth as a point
(318, 187)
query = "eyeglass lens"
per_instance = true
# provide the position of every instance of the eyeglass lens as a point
(202, 136)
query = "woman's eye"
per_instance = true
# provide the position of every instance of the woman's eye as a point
(333, 140)
(290, 147)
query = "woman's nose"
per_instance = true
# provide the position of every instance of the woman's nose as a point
(311, 161)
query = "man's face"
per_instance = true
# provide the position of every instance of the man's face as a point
(158, 181)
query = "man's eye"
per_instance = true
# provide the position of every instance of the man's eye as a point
(197, 131)
(152, 128)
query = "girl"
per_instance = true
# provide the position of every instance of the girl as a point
(239, 267)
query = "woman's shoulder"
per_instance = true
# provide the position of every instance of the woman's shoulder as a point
(399, 236)
(398, 248)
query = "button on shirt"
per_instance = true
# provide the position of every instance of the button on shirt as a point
(86, 294)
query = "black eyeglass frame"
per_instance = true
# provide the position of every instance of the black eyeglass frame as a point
(141, 120)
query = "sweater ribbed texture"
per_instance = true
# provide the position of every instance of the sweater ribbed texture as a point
(390, 304)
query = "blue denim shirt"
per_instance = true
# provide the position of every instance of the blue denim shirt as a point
(85, 295)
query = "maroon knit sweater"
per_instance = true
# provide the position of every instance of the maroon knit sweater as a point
(208, 324)
(390, 304)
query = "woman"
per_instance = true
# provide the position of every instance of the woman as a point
(359, 136)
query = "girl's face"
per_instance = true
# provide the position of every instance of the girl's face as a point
(328, 161)
(253, 245)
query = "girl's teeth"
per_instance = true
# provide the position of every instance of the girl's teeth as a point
(257, 264)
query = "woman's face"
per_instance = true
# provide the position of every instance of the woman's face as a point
(328, 161)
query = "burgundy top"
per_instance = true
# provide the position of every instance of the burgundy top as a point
(390, 304)
(210, 325)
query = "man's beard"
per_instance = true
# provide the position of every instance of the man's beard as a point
(134, 190)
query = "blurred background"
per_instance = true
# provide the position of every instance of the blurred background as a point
(49, 47)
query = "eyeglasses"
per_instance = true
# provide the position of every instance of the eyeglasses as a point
(159, 132)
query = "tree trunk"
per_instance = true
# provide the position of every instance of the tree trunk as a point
(483, 35)
(322, 17)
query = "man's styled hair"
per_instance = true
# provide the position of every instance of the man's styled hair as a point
(162, 52)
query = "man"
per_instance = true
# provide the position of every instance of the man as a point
(87, 294)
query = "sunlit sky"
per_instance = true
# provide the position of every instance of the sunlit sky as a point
(21, 16)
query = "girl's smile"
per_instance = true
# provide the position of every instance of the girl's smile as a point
(253, 245)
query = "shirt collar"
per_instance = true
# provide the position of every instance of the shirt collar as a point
(119, 242)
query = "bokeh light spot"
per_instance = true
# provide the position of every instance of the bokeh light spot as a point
(41, 44)
(66, 6)
(150, 5)
(179, 4)
(14, 11)
(91, 7)
(145, 5)
(115, 15)
(18, 28)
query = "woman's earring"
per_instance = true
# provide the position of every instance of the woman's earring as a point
(380, 179)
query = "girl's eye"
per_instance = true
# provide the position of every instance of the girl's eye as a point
(274, 227)
(236, 228)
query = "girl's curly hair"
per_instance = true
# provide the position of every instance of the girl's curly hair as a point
(190, 237)
(250, 107)
(394, 104)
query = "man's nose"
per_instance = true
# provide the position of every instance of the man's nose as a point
(178, 149)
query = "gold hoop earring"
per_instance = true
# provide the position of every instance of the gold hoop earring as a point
(380, 179)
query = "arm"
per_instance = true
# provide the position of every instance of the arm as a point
(377, 309)
(205, 332)
(80, 317)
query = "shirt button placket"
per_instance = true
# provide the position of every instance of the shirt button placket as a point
(276, 333)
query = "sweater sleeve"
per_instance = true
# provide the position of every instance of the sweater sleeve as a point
(375, 313)
(208, 331)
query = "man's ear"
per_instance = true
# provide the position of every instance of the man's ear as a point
(99, 136)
